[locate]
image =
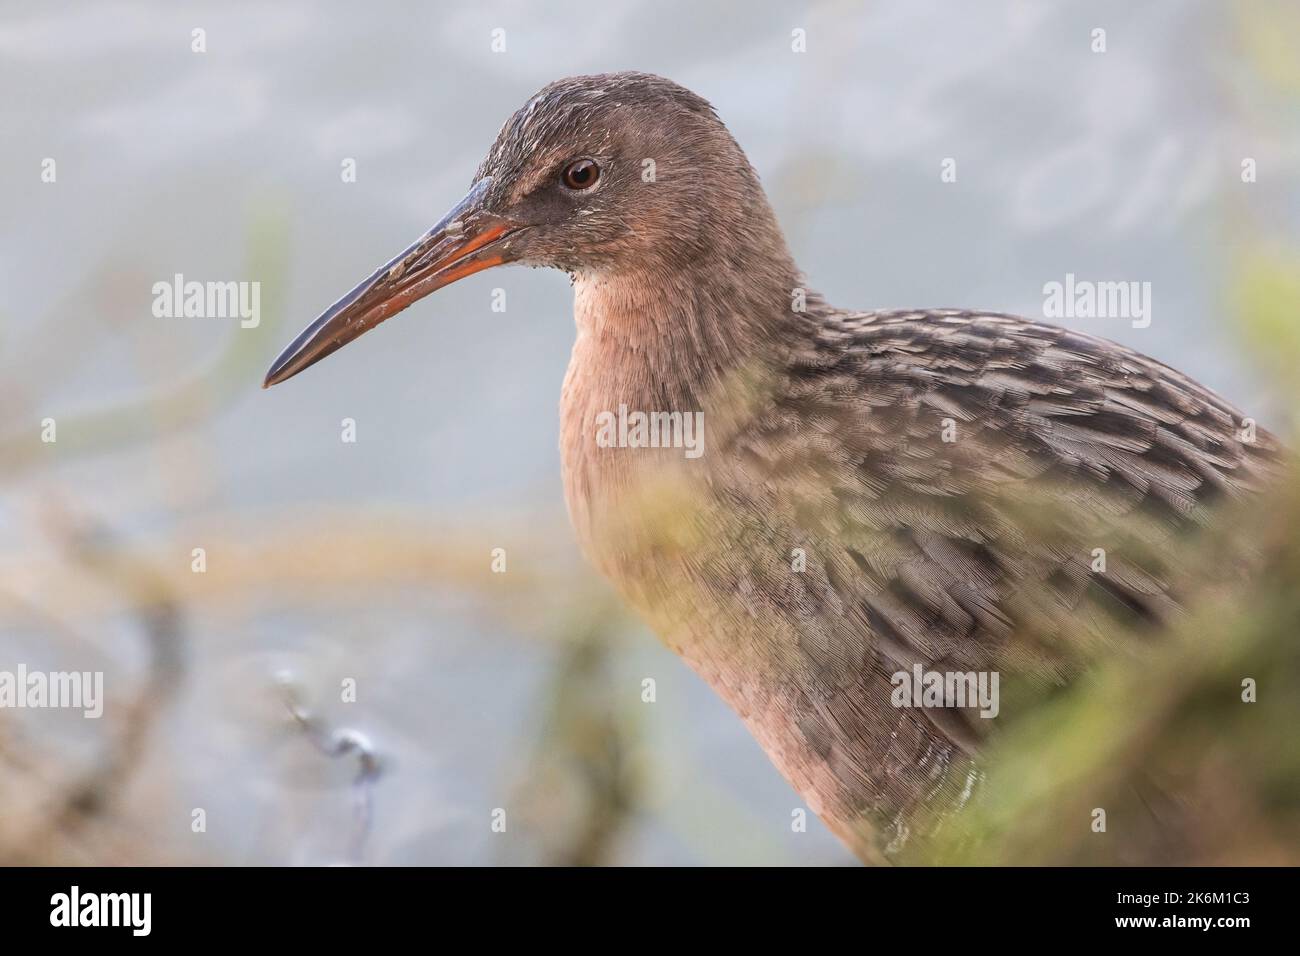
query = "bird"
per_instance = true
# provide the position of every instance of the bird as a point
(866, 494)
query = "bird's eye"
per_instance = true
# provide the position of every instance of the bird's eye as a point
(581, 174)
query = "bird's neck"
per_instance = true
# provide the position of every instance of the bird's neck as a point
(666, 337)
(666, 330)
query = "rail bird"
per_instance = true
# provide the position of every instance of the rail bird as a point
(870, 494)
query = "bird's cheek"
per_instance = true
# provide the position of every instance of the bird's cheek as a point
(542, 248)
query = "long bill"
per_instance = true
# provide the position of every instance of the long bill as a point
(466, 240)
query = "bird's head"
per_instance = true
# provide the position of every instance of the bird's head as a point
(594, 174)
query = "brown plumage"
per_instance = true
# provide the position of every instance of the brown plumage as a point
(877, 490)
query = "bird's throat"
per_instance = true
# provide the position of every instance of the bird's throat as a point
(664, 343)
